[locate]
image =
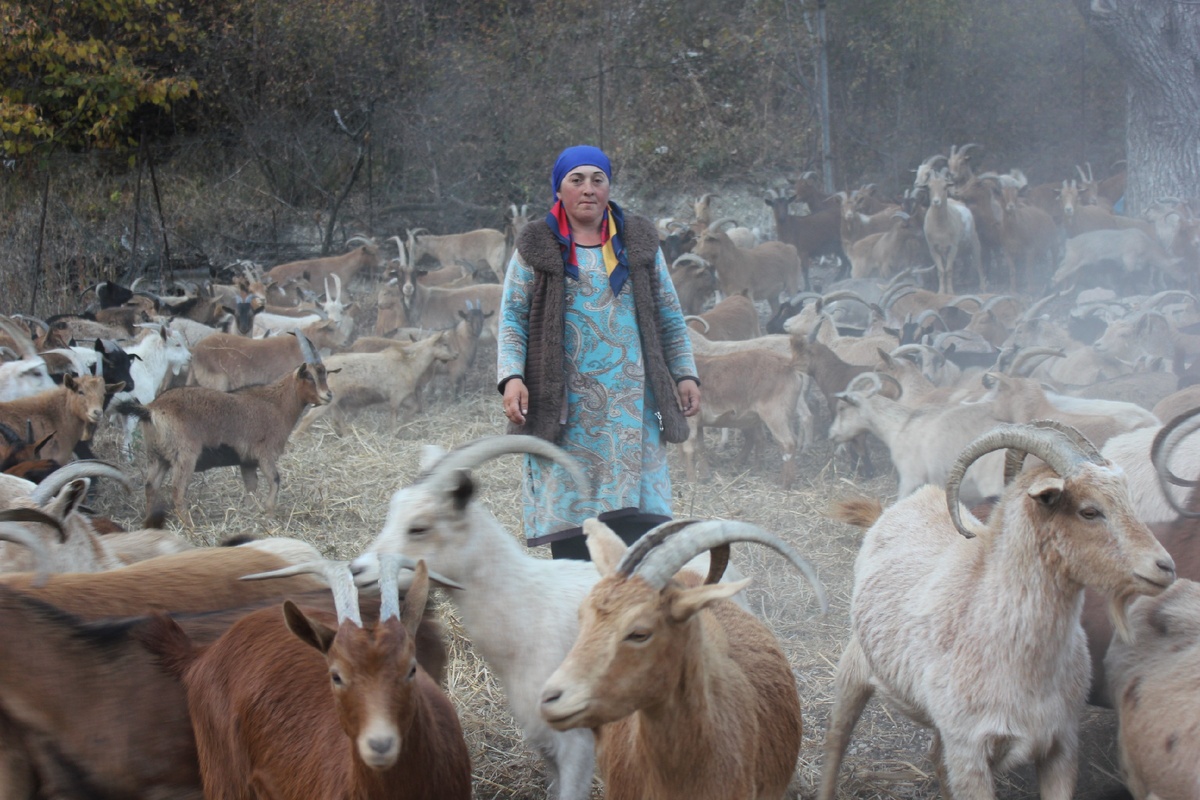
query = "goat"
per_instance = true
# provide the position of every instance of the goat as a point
(391, 376)
(1153, 675)
(1133, 250)
(70, 412)
(158, 353)
(463, 340)
(742, 388)
(761, 272)
(922, 442)
(689, 696)
(815, 234)
(732, 319)
(298, 705)
(1023, 400)
(998, 667)
(694, 281)
(316, 270)
(194, 429)
(27, 375)
(1029, 237)
(223, 362)
(436, 308)
(949, 228)
(473, 250)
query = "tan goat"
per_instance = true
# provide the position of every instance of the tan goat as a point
(316, 270)
(70, 412)
(690, 696)
(974, 629)
(224, 362)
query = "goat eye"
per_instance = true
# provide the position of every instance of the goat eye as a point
(412, 673)
(417, 530)
(638, 637)
(1090, 513)
(336, 677)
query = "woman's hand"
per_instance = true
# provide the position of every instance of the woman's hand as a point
(689, 397)
(516, 401)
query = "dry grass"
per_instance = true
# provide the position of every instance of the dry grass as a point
(335, 493)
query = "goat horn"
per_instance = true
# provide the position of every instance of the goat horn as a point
(33, 515)
(969, 146)
(699, 319)
(41, 554)
(844, 295)
(1161, 450)
(1156, 300)
(812, 335)
(931, 312)
(667, 558)
(1061, 451)
(472, 454)
(392, 583)
(20, 338)
(306, 349)
(894, 294)
(1014, 460)
(1022, 356)
(993, 301)
(690, 257)
(873, 380)
(336, 573)
(716, 224)
(53, 484)
(91, 288)
(962, 298)
(1082, 177)
(1037, 307)
(636, 553)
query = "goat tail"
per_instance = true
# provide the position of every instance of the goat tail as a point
(172, 648)
(133, 408)
(860, 512)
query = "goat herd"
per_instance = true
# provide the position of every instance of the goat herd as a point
(990, 602)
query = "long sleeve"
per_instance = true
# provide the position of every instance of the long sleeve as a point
(677, 347)
(514, 320)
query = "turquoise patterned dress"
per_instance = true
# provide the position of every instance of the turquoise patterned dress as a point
(611, 425)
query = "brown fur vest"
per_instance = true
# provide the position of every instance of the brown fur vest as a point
(545, 375)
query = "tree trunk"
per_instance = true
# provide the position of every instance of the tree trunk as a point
(1158, 43)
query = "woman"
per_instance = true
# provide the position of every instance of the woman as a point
(593, 355)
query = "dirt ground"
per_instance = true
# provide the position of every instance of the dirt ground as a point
(335, 493)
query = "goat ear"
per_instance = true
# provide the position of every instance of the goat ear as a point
(1046, 490)
(604, 546)
(68, 499)
(464, 489)
(113, 388)
(307, 630)
(684, 603)
(414, 599)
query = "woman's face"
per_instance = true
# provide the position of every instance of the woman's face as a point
(584, 195)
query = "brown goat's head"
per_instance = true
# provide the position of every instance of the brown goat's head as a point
(372, 671)
(85, 399)
(632, 643)
(313, 385)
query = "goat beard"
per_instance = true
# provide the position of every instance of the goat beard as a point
(1118, 612)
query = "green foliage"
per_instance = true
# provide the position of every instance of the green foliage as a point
(75, 72)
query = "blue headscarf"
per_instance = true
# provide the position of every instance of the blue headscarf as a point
(581, 155)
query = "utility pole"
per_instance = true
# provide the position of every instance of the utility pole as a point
(823, 92)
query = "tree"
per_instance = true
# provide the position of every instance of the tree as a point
(1158, 43)
(77, 72)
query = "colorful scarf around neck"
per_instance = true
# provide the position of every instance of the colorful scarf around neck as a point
(616, 261)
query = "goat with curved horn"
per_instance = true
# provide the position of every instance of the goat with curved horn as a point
(1161, 449)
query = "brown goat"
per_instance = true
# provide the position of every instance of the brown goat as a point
(761, 272)
(742, 388)
(689, 696)
(225, 362)
(94, 713)
(194, 429)
(316, 270)
(298, 705)
(734, 319)
(70, 412)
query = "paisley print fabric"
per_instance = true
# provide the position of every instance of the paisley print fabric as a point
(611, 427)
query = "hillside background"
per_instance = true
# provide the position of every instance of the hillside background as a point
(151, 137)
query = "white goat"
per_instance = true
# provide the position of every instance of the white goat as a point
(979, 638)
(161, 351)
